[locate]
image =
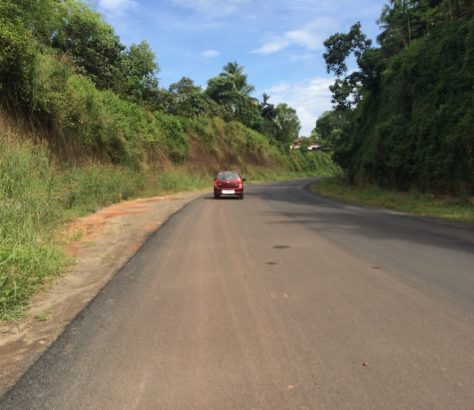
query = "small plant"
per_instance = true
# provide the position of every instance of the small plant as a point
(43, 316)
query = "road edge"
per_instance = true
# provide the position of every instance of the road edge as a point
(432, 219)
(23, 342)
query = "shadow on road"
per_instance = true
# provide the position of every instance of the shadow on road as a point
(293, 204)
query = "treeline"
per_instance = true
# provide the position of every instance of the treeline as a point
(64, 66)
(405, 118)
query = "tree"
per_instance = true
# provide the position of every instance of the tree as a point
(17, 55)
(235, 73)
(268, 113)
(397, 20)
(457, 8)
(92, 44)
(267, 110)
(287, 124)
(330, 128)
(249, 113)
(222, 90)
(41, 17)
(231, 91)
(136, 76)
(189, 100)
(407, 109)
(402, 21)
(348, 89)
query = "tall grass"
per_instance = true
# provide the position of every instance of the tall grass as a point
(29, 214)
(38, 197)
(176, 180)
(414, 202)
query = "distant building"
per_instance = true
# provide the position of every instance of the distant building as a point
(313, 147)
(298, 143)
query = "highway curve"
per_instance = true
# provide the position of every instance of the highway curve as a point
(281, 301)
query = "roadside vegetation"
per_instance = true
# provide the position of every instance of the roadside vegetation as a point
(84, 123)
(411, 202)
(404, 119)
(64, 69)
(40, 195)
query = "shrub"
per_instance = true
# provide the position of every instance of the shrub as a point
(16, 61)
(174, 138)
(29, 214)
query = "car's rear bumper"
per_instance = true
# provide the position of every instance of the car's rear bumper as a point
(228, 192)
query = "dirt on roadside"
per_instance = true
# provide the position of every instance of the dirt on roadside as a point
(101, 244)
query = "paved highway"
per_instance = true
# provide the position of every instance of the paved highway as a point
(281, 301)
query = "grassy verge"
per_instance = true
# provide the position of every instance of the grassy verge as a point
(29, 215)
(297, 165)
(37, 198)
(409, 202)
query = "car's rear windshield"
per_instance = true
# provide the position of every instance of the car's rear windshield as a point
(227, 175)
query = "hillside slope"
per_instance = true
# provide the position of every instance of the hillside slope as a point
(419, 129)
(407, 114)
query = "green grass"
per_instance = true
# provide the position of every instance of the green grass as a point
(37, 199)
(29, 215)
(296, 165)
(459, 209)
(176, 180)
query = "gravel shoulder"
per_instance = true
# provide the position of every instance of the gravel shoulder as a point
(103, 243)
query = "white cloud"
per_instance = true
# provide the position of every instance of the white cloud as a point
(116, 6)
(210, 53)
(212, 8)
(273, 46)
(309, 36)
(302, 58)
(310, 98)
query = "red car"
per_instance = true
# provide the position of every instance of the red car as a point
(228, 183)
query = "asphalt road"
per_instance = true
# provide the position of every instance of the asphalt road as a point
(281, 301)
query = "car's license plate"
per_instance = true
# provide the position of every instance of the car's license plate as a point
(228, 192)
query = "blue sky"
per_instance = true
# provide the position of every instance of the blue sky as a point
(279, 42)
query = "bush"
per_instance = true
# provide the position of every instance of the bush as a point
(174, 138)
(16, 62)
(83, 189)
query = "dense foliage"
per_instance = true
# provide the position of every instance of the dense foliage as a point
(64, 66)
(405, 118)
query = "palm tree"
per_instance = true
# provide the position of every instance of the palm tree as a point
(235, 72)
(396, 21)
(457, 8)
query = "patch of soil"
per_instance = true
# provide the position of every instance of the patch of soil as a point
(101, 244)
